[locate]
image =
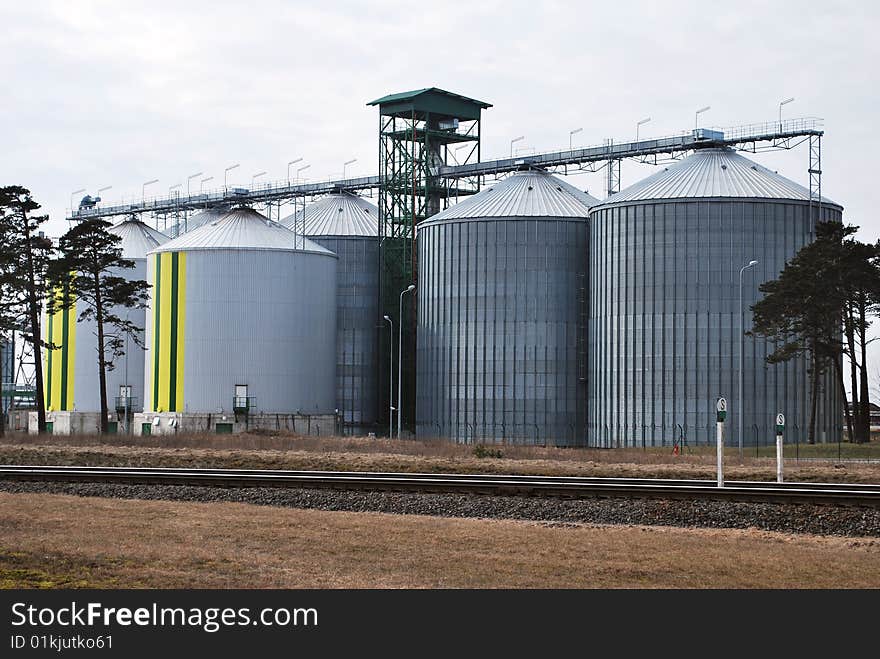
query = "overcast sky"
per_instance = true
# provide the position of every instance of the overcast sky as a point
(104, 93)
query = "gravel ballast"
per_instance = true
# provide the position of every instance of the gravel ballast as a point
(786, 518)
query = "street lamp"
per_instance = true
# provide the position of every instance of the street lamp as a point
(514, 141)
(639, 124)
(176, 185)
(346, 164)
(571, 134)
(203, 181)
(255, 177)
(458, 148)
(781, 103)
(391, 381)
(741, 346)
(190, 178)
(698, 113)
(411, 288)
(72, 195)
(292, 162)
(100, 190)
(226, 171)
(144, 189)
(125, 377)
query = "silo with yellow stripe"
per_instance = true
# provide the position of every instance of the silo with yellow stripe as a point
(71, 366)
(241, 323)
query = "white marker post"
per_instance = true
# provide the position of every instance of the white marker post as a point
(721, 409)
(780, 428)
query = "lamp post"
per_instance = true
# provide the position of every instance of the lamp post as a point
(226, 172)
(409, 289)
(346, 164)
(391, 381)
(292, 162)
(190, 178)
(125, 377)
(751, 264)
(144, 189)
(456, 149)
(514, 141)
(571, 134)
(639, 124)
(174, 187)
(255, 177)
(203, 181)
(781, 103)
(100, 190)
(72, 195)
(698, 113)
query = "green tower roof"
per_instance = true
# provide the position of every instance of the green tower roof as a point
(430, 100)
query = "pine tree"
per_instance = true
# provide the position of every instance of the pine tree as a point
(88, 272)
(820, 305)
(27, 254)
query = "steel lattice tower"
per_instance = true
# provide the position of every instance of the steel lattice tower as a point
(419, 132)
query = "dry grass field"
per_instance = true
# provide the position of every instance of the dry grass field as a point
(357, 454)
(59, 541)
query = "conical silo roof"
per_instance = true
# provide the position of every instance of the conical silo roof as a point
(205, 216)
(242, 228)
(532, 193)
(713, 173)
(137, 238)
(338, 214)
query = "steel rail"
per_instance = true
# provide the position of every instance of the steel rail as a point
(499, 484)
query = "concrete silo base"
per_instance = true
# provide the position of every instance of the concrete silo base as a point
(170, 423)
(68, 423)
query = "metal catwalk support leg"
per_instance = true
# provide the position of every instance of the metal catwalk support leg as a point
(613, 177)
(815, 171)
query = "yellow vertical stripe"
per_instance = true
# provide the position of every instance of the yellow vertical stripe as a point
(57, 340)
(59, 382)
(181, 324)
(154, 339)
(164, 333)
(47, 380)
(70, 339)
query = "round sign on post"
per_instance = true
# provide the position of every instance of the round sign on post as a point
(780, 423)
(721, 410)
(780, 427)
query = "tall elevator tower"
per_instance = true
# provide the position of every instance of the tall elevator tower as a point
(419, 132)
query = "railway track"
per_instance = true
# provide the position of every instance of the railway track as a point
(854, 494)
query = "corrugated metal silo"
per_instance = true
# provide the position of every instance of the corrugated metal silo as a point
(665, 260)
(348, 225)
(243, 309)
(72, 381)
(502, 307)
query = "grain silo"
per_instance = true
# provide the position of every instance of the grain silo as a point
(502, 305)
(241, 329)
(71, 371)
(348, 225)
(665, 261)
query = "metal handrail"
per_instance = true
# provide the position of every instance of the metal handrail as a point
(284, 189)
